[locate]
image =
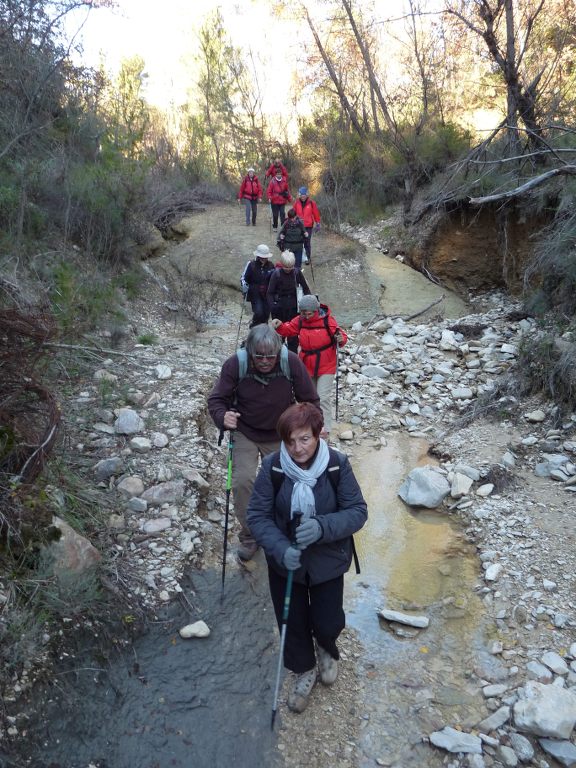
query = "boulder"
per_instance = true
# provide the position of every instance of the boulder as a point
(72, 552)
(424, 487)
(545, 710)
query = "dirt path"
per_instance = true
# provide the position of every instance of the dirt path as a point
(355, 282)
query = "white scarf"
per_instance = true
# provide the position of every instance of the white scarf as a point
(304, 479)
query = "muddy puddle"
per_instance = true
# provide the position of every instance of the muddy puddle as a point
(416, 562)
(168, 701)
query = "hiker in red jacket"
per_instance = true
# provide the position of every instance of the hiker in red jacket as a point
(308, 211)
(251, 193)
(275, 168)
(318, 334)
(278, 195)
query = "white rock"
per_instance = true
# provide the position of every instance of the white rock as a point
(535, 416)
(495, 720)
(405, 618)
(493, 690)
(198, 629)
(537, 671)
(159, 440)
(461, 485)
(448, 340)
(456, 741)
(555, 662)
(128, 422)
(485, 490)
(545, 710)
(493, 571)
(140, 445)
(156, 525)
(374, 372)
(424, 487)
(462, 393)
(163, 371)
(131, 486)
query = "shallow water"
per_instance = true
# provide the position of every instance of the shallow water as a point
(416, 562)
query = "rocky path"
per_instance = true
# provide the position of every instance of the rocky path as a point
(508, 478)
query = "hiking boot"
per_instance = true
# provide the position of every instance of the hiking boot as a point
(298, 696)
(327, 666)
(247, 550)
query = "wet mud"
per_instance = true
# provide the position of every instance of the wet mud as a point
(168, 701)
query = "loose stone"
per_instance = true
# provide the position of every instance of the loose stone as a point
(198, 629)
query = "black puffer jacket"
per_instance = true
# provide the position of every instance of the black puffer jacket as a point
(340, 516)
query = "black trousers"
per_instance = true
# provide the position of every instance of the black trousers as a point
(260, 310)
(316, 612)
(308, 241)
(278, 208)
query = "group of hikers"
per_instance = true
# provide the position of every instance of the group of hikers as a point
(298, 224)
(304, 504)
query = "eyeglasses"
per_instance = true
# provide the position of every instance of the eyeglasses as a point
(264, 357)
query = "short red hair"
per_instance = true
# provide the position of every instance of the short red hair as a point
(300, 416)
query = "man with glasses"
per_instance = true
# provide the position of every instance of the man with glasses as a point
(255, 387)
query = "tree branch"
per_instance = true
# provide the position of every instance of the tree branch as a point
(566, 170)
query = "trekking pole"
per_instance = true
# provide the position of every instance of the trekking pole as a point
(270, 219)
(285, 612)
(337, 377)
(240, 321)
(227, 515)
(311, 269)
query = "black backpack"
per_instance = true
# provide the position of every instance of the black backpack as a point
(333, 469)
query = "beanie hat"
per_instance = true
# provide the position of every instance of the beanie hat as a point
(262, 252)
(303, 191)
(309, 303)
(287, 259)
(251, 170)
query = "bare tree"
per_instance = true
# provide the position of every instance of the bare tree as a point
(507, 41)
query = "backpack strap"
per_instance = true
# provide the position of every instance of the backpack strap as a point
(285, 371)
(333, 469)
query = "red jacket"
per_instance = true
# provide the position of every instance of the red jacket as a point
(307, 211)
(273, 170)
(278, 192)
(317, 345)
(250, 188)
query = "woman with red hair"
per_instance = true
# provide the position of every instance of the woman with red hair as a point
(304, 521)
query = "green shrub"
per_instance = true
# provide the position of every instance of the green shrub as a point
(147, 338)
(81, 300)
